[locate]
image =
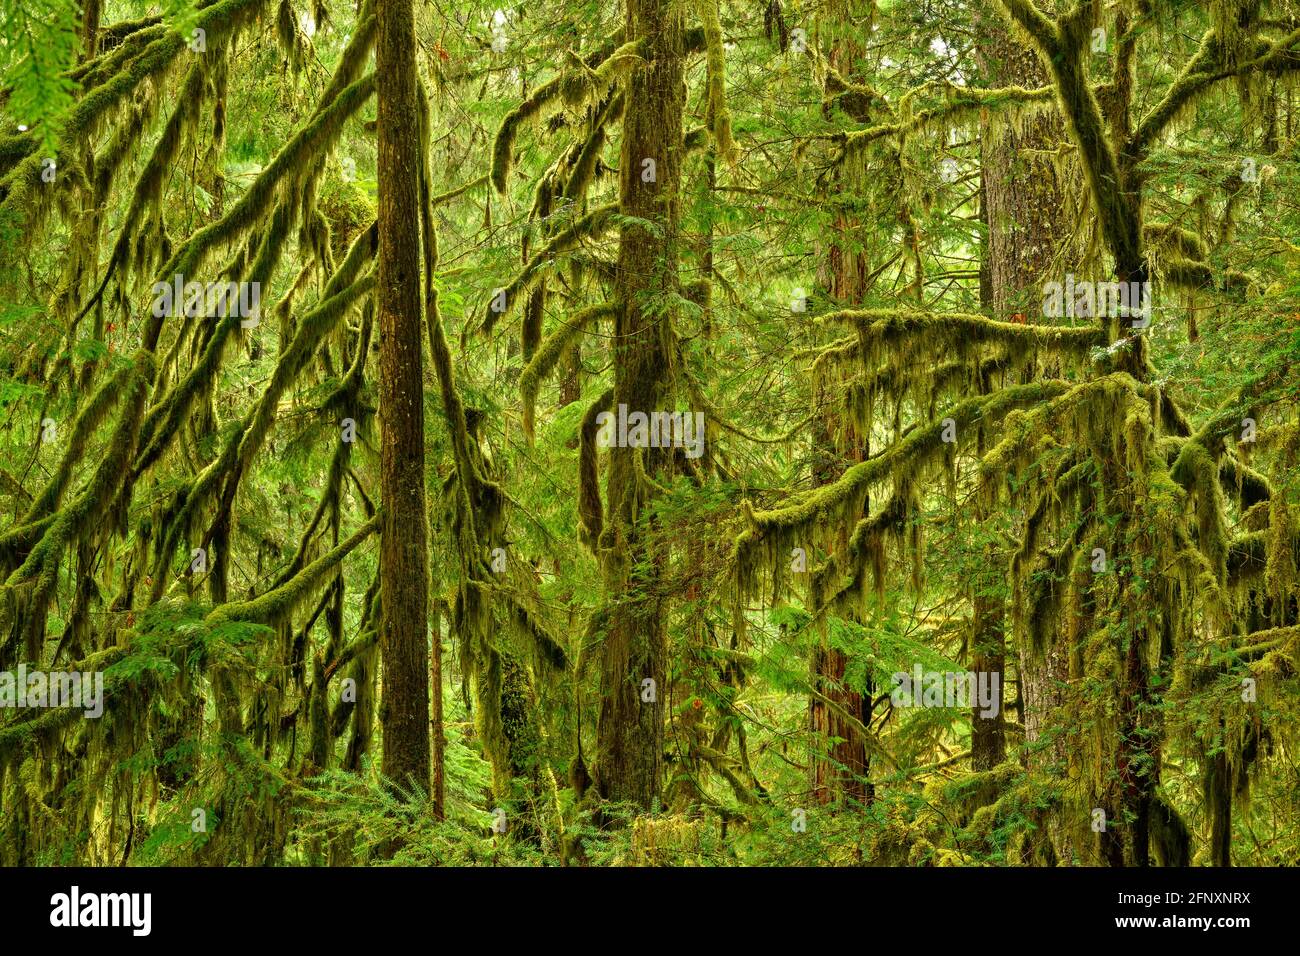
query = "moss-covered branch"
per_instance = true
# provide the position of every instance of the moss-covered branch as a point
(549, 354)
(575, 85)
(278, 602)
(290, 163)
(582, 227)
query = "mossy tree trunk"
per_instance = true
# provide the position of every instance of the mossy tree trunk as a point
(631, 724)
(403, 557)
(839, 770)
(438, 791)
(1022, 203)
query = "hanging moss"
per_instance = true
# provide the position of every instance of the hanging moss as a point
(242, 444)
(1197, 471)
(99, 494)
(219, 19)
(312, 140)
(715, 59)
(895, 329)
(149, 185)
(91, 415)
(548, 356)
(583, 168)
(1185, 242)
(281, 601)
(599, 68)
(919, 445)
(584, 227)
(164, 419)
(590, 509)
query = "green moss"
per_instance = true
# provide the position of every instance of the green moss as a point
(715, 60)
(588, 226)
(580, 83)
(281, 601)
(548, 356)
(590, 509)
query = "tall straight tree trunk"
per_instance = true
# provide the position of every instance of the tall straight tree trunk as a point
(90, 13)
(839, 770)
(403, 559)
(1022, 206)
(631, 725)
(988, 645)
(1218, 789)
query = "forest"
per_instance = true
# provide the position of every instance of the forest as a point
(671, 433)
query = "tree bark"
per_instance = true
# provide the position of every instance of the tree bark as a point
(1021, 202)
(90, 14)
(403, 559)
(438, 791)
(631, 725)
(1022, 205)
(840, 771)
(988, 741)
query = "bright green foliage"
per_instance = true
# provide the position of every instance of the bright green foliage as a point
(893, 467)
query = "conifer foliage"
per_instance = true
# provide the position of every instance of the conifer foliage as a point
(650, 432)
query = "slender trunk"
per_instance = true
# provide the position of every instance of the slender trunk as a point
(439, 789)
(571, 383)
(1218, 791)
(839, 771)
(403, 558)
(988, 741)
(1022, 204)
(988, 644)
(90, 13)
(631, 724)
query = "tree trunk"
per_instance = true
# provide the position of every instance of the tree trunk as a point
(840, 771)
(1022, 201)
(631, 724)
(438, 793)
(1022, 195)
(403, 560)
(988, 741)
(1022, 206)
(90, 13)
